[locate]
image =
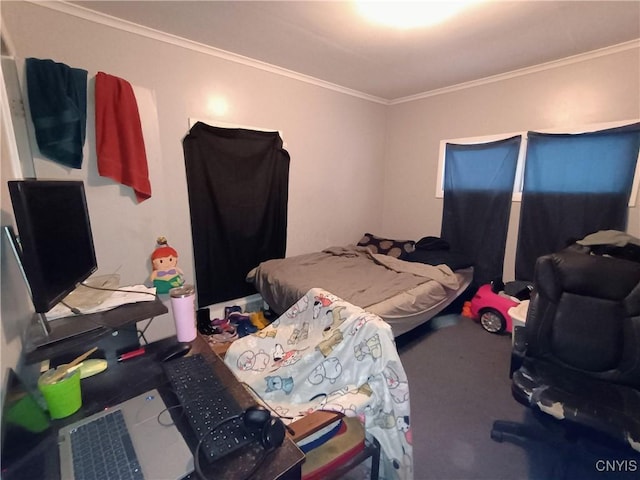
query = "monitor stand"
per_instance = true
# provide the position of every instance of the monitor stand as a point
(44, 332)
(67, 332)
(44, 324)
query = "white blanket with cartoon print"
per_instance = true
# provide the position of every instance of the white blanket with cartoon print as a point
(325, 353)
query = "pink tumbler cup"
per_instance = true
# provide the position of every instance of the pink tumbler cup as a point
(184, 312)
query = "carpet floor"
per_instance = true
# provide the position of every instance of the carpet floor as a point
(459, 384)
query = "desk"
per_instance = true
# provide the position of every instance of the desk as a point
(284, 463)
(125, 380)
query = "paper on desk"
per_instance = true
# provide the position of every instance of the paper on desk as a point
(130, 294)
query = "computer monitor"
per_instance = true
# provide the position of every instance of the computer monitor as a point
(55, 243)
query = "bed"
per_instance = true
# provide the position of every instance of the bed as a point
(406, 283)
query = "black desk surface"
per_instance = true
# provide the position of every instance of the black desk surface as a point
(124, 380)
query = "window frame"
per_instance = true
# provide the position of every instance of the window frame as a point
(519, 178)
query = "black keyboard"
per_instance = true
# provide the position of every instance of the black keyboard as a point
(103, 449)
(207, 403)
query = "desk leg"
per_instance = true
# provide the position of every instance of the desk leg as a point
(144, 329)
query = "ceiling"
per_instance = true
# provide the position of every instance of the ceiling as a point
(329, 41)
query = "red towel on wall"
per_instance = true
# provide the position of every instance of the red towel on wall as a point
(119, 141)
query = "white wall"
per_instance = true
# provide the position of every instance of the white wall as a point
(16, 309)
(336, 141)
(597, 89)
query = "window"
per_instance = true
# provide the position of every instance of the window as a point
(477, 200)
(237, 182)
(519, 177)
(574, 185)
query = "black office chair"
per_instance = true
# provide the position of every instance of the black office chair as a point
(578, 357)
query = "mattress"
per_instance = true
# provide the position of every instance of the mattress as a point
(405, 294)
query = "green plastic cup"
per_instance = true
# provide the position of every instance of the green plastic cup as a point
(64, 396)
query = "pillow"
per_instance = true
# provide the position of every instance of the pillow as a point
(386, 246)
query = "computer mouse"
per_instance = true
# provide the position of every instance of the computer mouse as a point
(175, 351)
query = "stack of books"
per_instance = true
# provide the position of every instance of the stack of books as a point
(328, 440)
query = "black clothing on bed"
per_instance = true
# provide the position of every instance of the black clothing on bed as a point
(454, 260)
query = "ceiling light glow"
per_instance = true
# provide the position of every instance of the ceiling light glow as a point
(405, 15)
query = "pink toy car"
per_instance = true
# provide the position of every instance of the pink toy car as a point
(492, 309)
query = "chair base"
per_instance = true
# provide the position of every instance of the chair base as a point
(561, 435)
(503, 430)
(538, 426)
(571, 451)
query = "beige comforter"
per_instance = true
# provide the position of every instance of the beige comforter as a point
(350, 272)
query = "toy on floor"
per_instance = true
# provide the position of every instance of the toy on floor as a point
(235, 324)
(166, 274)
(258, 319)
(491, 303)
(466, 310)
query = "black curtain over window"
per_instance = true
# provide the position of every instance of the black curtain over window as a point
(478, 187)
(574, 185)
(238, 183)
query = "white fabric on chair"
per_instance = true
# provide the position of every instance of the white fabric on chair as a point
(325, 353)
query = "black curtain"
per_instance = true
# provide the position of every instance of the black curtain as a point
(478, 187)
(550, 222)
(238, 183)
(574, 185)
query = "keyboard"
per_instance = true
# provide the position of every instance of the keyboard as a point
(207, 403)
(103, 449)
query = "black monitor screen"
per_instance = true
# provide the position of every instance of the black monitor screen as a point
(54, 231)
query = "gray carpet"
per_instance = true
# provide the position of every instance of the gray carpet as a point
(459, 384)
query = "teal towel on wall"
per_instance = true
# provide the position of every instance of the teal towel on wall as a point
(58, 104)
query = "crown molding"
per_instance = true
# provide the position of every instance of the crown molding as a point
(523, 71)
(130, 27)
(108, 20)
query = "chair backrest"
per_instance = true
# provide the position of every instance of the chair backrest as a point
(585, 315)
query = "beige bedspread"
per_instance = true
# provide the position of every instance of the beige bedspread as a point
(387, 286)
